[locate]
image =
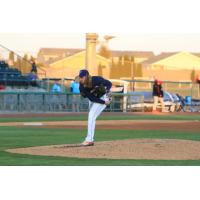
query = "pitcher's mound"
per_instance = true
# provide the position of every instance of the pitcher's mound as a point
(151, 149)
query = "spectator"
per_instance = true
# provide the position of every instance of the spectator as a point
(56, 87)
(32, 78)
(198, 81)
(158, 95)
(2, 87)
(74, 88)
(34, 67)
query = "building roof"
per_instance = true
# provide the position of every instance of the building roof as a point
(76, 54)
(158, 57)
(139, 54)
(66, 52)
(196, 54)
(70, 51)
(57, 51)
(162, 56)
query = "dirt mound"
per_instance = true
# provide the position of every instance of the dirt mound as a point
(151, 149)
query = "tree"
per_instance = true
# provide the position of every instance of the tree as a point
(127, 66)
(18, 63)
(138, 72)
(32, 59)
(132, 59)
(124, 68)
(104, 51)
(100, 70)
(113, 70)
(192, 76)
(11, 55)
(25, 65)
(133, 67)
(127, 58)
(11, 58)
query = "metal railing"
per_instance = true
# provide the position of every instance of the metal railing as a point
(7, 50)
(184, 88)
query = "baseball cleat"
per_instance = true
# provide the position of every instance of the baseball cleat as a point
(86, 144)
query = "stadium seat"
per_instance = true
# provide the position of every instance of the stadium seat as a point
(12, 76)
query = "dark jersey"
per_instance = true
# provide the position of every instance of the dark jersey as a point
(157, 90)
(34, 68)
(90, 92)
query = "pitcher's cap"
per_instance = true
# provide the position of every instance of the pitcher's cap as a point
(83, 73)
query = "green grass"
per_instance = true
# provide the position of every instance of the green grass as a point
(12, 137)
(114, 117)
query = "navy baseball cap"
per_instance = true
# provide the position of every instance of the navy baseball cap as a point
(83, 73)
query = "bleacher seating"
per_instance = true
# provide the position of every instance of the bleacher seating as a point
(13, 77)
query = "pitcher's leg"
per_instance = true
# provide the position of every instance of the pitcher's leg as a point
(95, 111)
(99, 110)
(90, 121)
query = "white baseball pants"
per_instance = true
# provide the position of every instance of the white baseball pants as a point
(157, 99)
(95, 110)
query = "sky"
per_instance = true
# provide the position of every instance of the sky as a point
(156, 42)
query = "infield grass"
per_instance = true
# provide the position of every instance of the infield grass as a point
(104, 117)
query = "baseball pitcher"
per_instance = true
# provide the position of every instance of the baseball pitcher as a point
(97, 90)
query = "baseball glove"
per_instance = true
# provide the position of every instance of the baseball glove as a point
(99, 91)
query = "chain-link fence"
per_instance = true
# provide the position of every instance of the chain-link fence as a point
(23, 101)
(62, 102)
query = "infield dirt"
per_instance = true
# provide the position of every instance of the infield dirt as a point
(150, 149)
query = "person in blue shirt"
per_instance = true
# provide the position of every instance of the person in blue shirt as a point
(97, 90)
(56, 87)
(74, 88)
